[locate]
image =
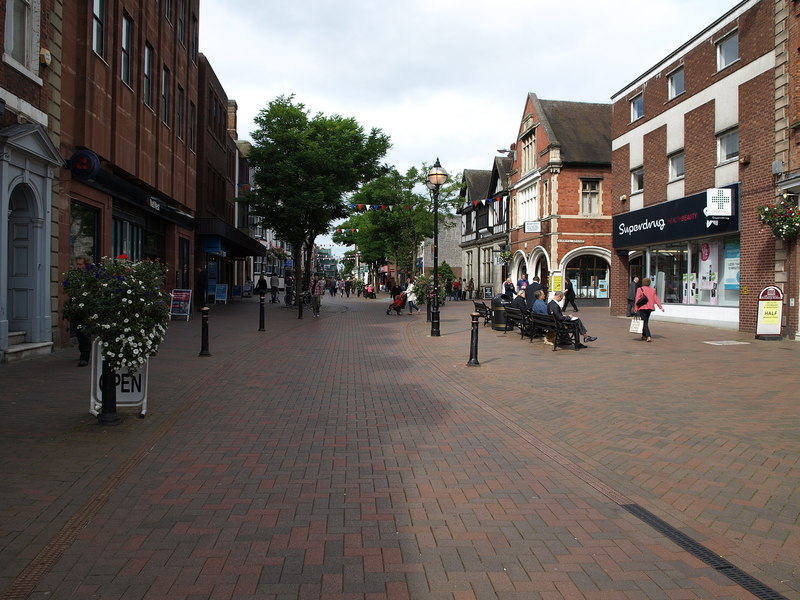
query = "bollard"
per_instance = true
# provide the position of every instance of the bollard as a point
(473, 343)
(108, 385)
(204, 336)
(261, 314)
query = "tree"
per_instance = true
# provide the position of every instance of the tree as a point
(303, 167)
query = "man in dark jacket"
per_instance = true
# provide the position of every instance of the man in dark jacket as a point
(533, 287)
(519, 300)
(632, 289)
(554, 307)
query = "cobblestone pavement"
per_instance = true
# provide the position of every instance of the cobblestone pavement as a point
(354, 456)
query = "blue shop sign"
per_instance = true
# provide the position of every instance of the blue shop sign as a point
(212, 245)
(680, 219)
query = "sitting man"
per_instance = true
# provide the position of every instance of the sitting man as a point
(519, 301)
(539, 305)
(555, 309)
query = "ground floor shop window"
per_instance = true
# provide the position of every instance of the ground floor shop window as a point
(703, 272)
(128, 239)
(589, 276)
(84, 231)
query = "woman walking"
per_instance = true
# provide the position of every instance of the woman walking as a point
(646, 309)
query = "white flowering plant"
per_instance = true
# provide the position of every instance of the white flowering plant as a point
(124, 304)
(783, 218)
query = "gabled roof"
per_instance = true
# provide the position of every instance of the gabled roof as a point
(581, 129)
(500, 172)
(476, 184)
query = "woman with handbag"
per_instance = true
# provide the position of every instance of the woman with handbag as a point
(646, 302)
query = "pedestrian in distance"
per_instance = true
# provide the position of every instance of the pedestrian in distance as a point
(632, 289)
(471, 287)
(274, 282)
(261, 286)
(508, 287)
(647, 307)
(569, 295)
(411, 298)
(317, 292)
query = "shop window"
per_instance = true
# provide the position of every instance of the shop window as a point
(182, 279)
(589, 276)
(127, 238)
(84, 231)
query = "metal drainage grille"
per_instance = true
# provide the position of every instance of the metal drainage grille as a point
(732, 572)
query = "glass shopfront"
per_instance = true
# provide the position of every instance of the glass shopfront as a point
(589, 276)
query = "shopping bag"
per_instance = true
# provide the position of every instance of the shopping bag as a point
(636, 325)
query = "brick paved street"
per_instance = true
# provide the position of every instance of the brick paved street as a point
(353, 456)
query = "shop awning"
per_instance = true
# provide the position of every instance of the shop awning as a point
(236, 243)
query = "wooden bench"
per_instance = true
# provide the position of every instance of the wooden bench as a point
(484, 311)
(566, 332)
(516, 317)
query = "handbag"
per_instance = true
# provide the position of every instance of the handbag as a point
(641, 301)
(637, 325)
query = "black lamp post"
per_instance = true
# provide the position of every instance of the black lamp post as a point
(437, 176)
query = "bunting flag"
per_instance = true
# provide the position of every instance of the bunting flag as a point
(484, 202)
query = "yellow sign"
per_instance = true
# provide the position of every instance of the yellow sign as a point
(771, 312)
(555, 283)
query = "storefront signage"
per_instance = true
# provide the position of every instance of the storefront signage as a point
(770, 313)
(571, 241)
(488, 292)
(719, 203)
(674, 220)
(154, 203)
(131, 387)
(532, 226)
(212, 245)
(180, 304)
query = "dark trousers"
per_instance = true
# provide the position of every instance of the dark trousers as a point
(630, 307)
(569, 300)
(645, 315)
(274, 291)
(84, 344)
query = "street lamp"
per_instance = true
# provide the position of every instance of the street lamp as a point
(437, 176)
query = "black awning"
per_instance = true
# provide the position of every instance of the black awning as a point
(236, 242)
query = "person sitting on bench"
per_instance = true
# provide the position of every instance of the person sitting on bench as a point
(555, 309)
(539, 305)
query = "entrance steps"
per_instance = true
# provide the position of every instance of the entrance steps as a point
(19, 349)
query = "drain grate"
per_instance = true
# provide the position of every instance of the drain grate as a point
(715, 561)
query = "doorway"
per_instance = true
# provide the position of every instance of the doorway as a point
(21, 263)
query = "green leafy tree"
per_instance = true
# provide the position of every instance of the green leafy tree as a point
(304, 165)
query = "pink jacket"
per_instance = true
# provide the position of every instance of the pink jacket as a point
(652, 299)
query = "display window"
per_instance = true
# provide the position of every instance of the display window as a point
(589, 276)
(84, 231)
(703, 272)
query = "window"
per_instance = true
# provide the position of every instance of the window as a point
(127, 238)
(676, 83)
(192, 120)
(590, 197)
(637, 180)
(676, 170)
(193, 33)
(637, 107)
(165, 96)
(147, 69)
(727, 146)
(528, 153)
(167, 4)
(21, 37)
(528, 203)
(727, 50)
(179, 113)
(84, 226)
(127, 45)
(99, 20)
(181, 20)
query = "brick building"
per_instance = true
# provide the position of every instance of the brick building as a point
(693, 147)
(129, 114)
(30, 126)
(560, 206)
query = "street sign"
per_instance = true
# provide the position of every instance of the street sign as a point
(131, 387)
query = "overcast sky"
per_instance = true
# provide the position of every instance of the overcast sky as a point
(443, 78)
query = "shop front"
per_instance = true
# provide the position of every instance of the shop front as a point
(690, 250)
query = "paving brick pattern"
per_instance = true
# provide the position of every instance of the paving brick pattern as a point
(353, 456)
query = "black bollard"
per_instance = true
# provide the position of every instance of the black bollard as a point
(428, 312)
(204, 336)
(108, 387)
(473, 343)
(261, 314)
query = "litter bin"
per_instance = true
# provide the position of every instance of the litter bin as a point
(499, 304)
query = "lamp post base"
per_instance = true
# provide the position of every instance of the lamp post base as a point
(435, 323)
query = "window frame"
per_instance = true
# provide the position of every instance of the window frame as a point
(165, 84)
(147, 76)
(590, 198)
(672, 174)
(98, 27)
(126, 49)
(637, 107)
(721, 45)
(180, 24)
(672, 92)
(722, 137)
(637, 180)
(179, 113)
(22, 39)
